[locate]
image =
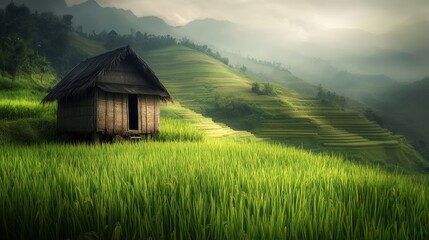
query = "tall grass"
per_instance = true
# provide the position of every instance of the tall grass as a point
(178, 130)
(217, 190)
(18, 109)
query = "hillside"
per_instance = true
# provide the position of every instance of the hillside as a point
(198, 178)
(221, 93)
(193, 190)
(236, 157)
(205, 85)
(407, 105)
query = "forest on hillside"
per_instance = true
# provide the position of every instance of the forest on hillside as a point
(33, 42)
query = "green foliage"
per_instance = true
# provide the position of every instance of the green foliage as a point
(263, 89)
(178, 131)
(243, 69)
(204, 49)
(202, 190)
(18, 109)
(256, 87)
(16, 55)
(187, 186)
(273, 65)
(232, 107)
(32, 42)
(143, 41)
(86, 46)
(198, 82)
(371, 115)
(28, 131)
(8, 85)
(422, 147)
(247, 115)
(268, 90)
(331, 97)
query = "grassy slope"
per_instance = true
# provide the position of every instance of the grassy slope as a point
(199, 190)
(195, 80)
(22, 118)
(267, 73)
(195, 185)
(89, 47)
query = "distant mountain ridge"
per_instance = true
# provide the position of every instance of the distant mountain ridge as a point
(357, 57)
(40, 5)
(92, 17)
(401, 54)
(407, 103)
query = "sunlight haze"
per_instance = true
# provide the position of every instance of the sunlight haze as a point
(300, 16)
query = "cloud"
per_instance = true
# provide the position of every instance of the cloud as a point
(302, 15)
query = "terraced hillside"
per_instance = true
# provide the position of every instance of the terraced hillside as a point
(198, 82)
(206, 125)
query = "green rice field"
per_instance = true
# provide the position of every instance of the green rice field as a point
(196, 80)
(199, 190)
(200, 178)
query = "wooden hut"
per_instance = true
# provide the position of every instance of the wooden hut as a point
(115, 93)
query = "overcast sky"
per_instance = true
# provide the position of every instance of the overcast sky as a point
(298, 16)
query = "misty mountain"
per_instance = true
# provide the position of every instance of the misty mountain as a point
(365, 88)
(362, 52)
(349, 61)
(58, 6)
(412, 37)
(220, 34)
(92, 17)
(407, 103)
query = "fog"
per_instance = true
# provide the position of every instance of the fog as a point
(301, 16)
(374, 37)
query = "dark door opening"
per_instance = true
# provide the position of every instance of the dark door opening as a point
(133, 112)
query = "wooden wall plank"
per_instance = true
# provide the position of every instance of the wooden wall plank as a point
(118, 113)
(109, 113)
(150, 114)
(101, 111)
(157, 114)
(94, 111)
(143, 110)
(139, 114)
(125, 115)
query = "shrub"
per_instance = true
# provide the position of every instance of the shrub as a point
(331, 97)
(233, 107)
(265, 89)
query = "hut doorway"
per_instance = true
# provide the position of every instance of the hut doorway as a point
(133, 112)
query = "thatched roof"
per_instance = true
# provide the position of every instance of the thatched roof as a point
(83, 78)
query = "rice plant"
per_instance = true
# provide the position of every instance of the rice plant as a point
(19, 109)
(199, 190)
(178, 130)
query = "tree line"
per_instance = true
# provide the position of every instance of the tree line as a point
(32, 42)
(331, 97)
(144, 41)
(263, 89)
(147, 42)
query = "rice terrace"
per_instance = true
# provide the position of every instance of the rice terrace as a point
(118, 125)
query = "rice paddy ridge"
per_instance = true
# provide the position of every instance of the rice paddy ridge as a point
(338, 127)
(195, 80)
(207, 125)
